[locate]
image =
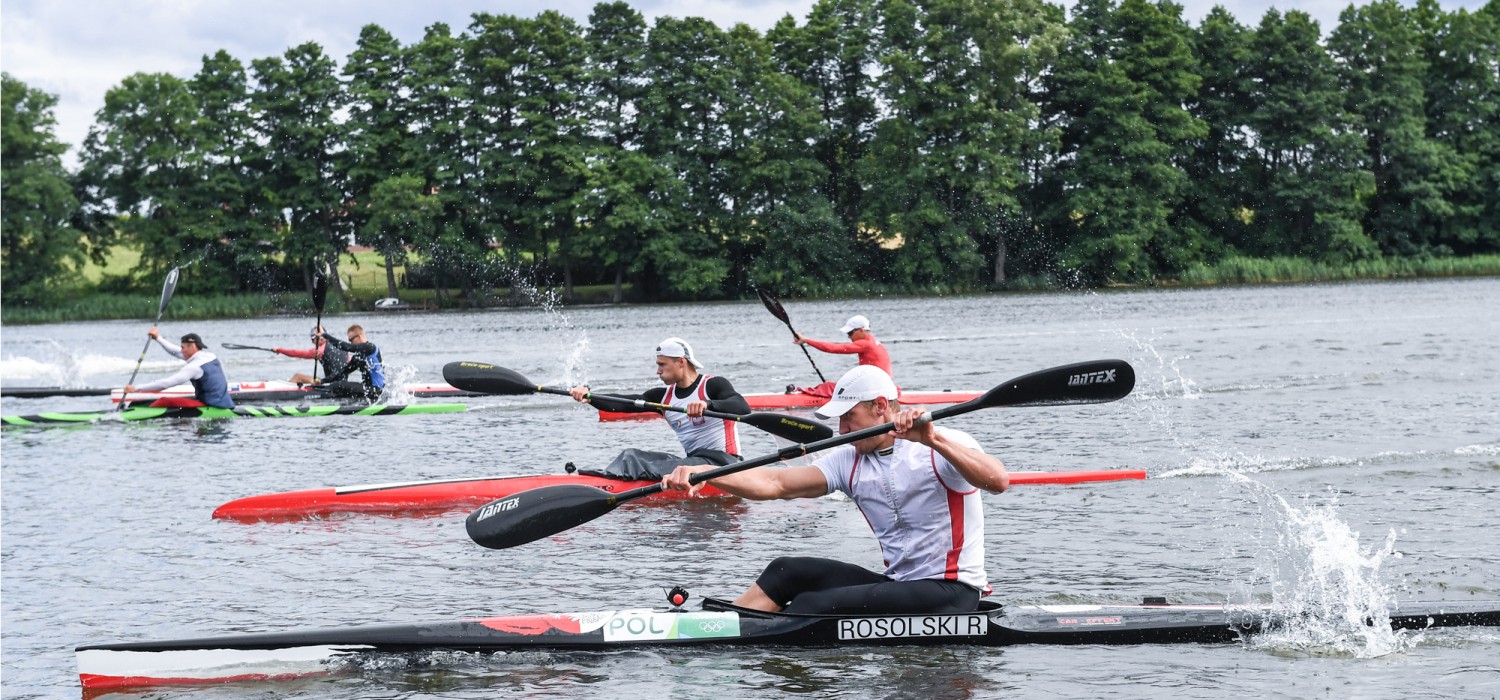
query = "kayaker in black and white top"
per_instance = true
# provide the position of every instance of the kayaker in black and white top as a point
(708, 441)
(202, 370)
(918, 486)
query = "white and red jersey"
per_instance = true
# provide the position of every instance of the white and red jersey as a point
(928, 519)
(701, 433)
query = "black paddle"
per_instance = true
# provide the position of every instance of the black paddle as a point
(167, 288)
(532, 515)
(319, 294)
(774, 306)
(489, 379)
(237, 346)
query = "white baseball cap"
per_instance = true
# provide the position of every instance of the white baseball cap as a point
(677, 347)
(855, 323)
(863, 383)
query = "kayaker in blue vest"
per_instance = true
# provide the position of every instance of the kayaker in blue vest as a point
(364, 356)
(202, 370)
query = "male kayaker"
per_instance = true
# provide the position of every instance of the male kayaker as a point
(709, 441)
(862, 342)
(202, 370)
(332, 360)
(917, 486)
(364, 357)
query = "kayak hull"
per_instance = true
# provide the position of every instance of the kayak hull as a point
(420, 497)
(131, 415)
(273, 390)
(301, 653)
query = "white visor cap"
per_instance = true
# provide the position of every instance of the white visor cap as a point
(855, 323)
(863, 383)
(677, 347)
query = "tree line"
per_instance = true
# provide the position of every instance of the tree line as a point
(879, 144)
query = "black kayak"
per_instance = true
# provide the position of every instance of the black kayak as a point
(309, 652)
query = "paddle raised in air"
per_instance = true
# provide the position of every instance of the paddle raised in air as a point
(319, 295)
(774, 306)
(531, 515)
(167, 288)
(489, 379)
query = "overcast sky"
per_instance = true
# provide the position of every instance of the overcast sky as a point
(79, 49)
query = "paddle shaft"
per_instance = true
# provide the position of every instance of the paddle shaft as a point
(167, 288)
(237, 346)
(319, 294)
(640, 403)
(773, 305)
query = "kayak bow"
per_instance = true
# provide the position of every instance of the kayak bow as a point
(416, 497)
(312, 652)
(151, 413)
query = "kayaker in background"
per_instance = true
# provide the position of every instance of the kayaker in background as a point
(202, 370)
(364, 357)
(708, 441)
(917, 486)
(861, 342)
(331, 359)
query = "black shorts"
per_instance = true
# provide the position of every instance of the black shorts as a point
(816, 586)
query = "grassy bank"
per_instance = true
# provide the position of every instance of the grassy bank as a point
(1276, 270)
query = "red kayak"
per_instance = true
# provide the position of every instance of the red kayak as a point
(763, 402)
(419, 497)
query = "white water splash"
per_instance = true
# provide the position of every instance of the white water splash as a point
(1326, 587)
(396, 383)
(71, 369)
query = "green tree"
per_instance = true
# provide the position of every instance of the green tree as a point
(376, 152)
(295, 99)
(1462, 103)
(1120, 88)
(142, 156)
(1309, 170)
(1217, 191)
(399, 214)
(1384, 72)
(227, 207)
(616, 209)
(40, 247)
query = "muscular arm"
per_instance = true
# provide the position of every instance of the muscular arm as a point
(656, 395)
(172, 348)
(307, 354)
(760, 483)
(189, 372)
(366, 348)
(723, 398)
(976, 467)
(850, 348)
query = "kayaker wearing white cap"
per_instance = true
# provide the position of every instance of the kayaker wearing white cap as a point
(710, 441)
(917, 486)
(861, 342)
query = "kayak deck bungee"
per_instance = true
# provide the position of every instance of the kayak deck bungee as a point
(311, 652)
(763, 402)
(418, 497)
(155, 413)
(274, 390)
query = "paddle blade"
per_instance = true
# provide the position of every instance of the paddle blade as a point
(168, 288)
(788, 427)
(486, 378)
(320, 286)
(1098, 381)
(531, 515)
(773, 305)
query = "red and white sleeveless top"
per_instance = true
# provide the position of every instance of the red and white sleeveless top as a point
(928, 519)
(701, 433)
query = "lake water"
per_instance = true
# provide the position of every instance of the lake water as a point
(1325, 445)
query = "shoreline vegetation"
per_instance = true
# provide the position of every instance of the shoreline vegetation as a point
(98, 306)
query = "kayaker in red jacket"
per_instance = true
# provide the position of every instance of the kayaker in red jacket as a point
(861, 342)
